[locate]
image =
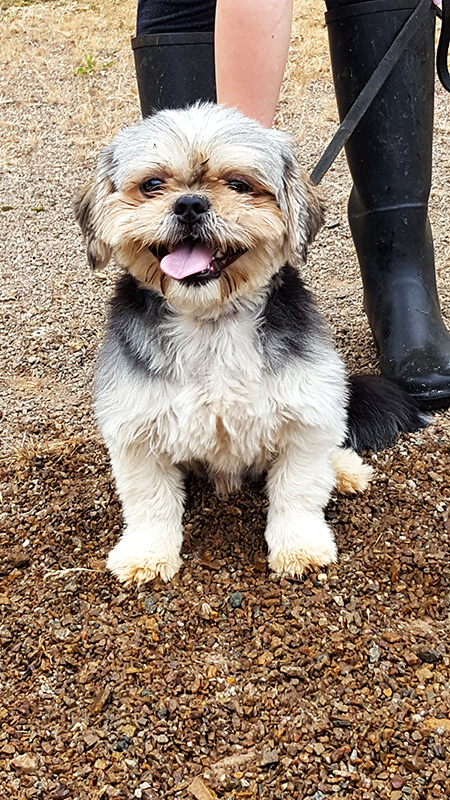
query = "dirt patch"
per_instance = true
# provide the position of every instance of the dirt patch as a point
(227, 682)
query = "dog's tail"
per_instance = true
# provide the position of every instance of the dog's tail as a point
(378, 411)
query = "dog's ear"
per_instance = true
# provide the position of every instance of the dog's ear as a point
(89, 209)
(316, 207)
(304, 209)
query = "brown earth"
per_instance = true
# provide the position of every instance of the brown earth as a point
(228, 682)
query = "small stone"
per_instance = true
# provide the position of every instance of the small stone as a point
(18, 558)
(269, 757)
(410, 658)
(24, 763)
(200, 790)
(128, 731)
(434, 724)
(414, 763)
(318, 748)
(61, 793)
(397, 782)
(374, 654)
(390, 636)
(438, 751)
(260, 564)
(424, 674)
(396, 795)
(205, 611)
(122, 745)
(90, 739)
(149, 604)
(236, 600)
(100, 700)
(430, 656)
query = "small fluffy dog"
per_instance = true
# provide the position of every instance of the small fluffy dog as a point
(215, 351)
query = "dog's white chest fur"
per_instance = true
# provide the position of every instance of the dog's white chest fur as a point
(220, 406)
(220, 398)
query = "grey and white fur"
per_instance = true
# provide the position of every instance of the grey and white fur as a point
(215, 351)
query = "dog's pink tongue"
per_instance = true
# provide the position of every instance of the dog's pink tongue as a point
(187, 259)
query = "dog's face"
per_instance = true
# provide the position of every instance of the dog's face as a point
(203, 205)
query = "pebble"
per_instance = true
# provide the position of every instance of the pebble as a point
(122, 744)
(374, 654)
(149, 604)
(269, 757)
(24, 763)
(236, 600)
(430, 656)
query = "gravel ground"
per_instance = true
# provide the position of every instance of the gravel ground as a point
(227, 682)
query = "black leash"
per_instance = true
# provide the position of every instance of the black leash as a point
(380, 75)
(443, 46)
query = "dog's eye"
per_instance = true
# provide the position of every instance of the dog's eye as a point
(240, 186)
(151, 186)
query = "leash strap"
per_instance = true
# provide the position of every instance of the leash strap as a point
(443, 46)
(378, 78)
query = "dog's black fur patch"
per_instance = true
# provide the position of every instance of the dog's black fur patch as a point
(378, 411)
(290, 320)
(135, 324)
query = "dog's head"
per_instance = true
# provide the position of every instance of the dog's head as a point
(202, 204)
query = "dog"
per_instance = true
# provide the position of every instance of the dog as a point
(215, 352)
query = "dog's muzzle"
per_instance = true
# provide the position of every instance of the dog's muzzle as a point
(193, 259)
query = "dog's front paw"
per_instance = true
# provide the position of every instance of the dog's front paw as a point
(293, 552)
(132, 561)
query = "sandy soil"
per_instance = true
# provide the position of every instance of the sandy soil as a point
(227, 682)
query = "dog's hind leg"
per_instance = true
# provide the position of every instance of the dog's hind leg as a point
(152, 495)
(352, 475)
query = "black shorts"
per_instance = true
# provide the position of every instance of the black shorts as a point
(173, 16)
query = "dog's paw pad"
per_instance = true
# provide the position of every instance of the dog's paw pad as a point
(140, 569)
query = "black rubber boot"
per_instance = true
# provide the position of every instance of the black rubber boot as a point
(174, 70)
(174, 53)
(389, 156)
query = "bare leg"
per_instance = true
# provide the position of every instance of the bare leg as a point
(251, 45)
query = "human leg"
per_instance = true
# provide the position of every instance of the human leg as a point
(389, 156)
(174, 53)
(251, 43)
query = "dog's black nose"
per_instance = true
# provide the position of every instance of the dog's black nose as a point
(190, 207)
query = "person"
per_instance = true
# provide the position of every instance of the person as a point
(389, 154)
